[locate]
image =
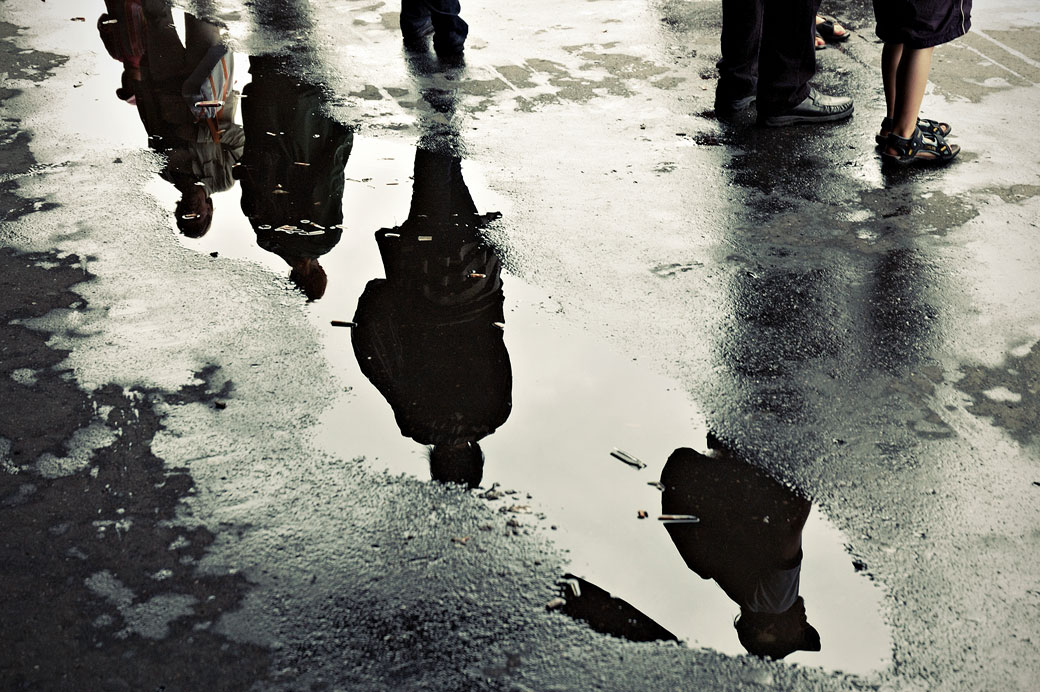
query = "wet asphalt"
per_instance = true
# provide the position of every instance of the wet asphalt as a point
(553, 250)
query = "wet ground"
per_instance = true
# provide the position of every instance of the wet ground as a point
(213, 483)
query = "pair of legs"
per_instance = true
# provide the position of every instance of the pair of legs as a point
(904, 72)
(420, 18)
(767, 50)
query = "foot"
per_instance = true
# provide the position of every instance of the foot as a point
(417, 41)
(919, 148)
(448, 51)
(828, 29)
(816, 108)
(926, 126)
(730, 107)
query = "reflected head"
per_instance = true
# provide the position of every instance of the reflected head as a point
(194, 212)
(461, 463)
(775, 635)
(309, 276)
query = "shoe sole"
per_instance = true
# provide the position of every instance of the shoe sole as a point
(784, 120)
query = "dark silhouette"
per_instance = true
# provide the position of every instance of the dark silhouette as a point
(768, 55)
(420, 18)
(748, 540)
(292, 170)
(430, 335)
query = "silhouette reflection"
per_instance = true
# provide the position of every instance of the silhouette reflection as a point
(748, 539)
(159, 71)
(292, 170)
(430, 335)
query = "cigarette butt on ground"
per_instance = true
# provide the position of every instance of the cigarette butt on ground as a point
(679, 519)
(627, 458)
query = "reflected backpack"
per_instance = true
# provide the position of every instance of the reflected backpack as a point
(209, 87)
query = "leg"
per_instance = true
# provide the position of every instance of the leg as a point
(451, 30)
(164, 52)
(911, 80)
(199, 37)
(415, 20)
(905, 143)
(788, 56)
(891, 54)
(738, 68)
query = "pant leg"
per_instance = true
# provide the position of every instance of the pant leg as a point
(788, 55)
(451, 30)
(415, 18)
(741, 36)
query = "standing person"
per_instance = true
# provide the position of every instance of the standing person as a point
(768, 54)
(292, 170)
(198, 159)
(429, 336)
(910, 31)
(748, 539)
(420, 18)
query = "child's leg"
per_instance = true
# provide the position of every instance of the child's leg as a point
(911, 80)
(890, 56)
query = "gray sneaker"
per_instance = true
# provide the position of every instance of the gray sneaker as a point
(816, 108)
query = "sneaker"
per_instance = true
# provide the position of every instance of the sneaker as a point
(816, 108)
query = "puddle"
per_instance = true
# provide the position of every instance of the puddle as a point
(547, 402)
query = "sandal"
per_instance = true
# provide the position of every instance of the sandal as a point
(926, 126)
(831, 30)
(918, 148)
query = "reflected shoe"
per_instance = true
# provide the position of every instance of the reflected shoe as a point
(816, 108)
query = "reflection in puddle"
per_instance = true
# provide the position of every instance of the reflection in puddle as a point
(558, 402)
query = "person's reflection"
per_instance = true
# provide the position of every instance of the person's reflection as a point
(292, 170)
(198, 158)
(748, 539)
(429, 336)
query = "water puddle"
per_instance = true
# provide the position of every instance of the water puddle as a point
(442, 347)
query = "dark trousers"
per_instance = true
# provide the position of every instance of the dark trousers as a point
(450, 31)
(768, 50)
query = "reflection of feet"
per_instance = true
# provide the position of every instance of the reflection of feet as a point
(450, 52)
(816, 108)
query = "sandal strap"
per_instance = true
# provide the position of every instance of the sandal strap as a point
(906, 147)
(934, 127)
(910, 148)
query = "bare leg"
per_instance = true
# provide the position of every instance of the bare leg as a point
(890, 56)
(911, 80)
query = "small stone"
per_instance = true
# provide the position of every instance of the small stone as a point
(221, 405)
